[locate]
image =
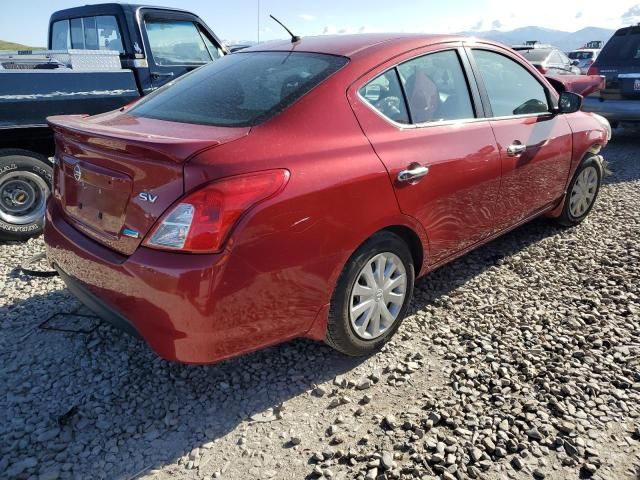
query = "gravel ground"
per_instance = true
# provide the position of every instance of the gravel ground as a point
(520, 360)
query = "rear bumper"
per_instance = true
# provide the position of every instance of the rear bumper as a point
(101, 309)
(187, 308)
(161, 297)
(613, 110)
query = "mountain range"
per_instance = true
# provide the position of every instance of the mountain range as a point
(565, 41)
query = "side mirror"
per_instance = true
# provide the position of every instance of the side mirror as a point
(569, 102)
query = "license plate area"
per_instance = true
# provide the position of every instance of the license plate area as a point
(95, 196)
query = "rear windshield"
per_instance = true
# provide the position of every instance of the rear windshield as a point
(623, 48)
(580, 55)
(534, 54)
(242, 89)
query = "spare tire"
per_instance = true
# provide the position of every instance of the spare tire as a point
(25, 184)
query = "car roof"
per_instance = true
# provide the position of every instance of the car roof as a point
(359, 44)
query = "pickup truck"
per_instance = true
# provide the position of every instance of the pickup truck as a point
(99, 58)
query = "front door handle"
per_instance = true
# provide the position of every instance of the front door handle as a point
(414, 173)
(515, 149)
(156, 75)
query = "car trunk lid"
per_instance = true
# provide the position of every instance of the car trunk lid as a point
(116, 174)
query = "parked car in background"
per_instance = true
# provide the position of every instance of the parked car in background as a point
(547, 59)
(298, 189)
(583, 58)
(619, 63)
(100, 57)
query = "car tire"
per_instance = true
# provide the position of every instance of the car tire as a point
(25, 183)
(582, 192)
(347, 330)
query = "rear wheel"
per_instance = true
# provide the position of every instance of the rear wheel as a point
(582, 193)
(371, 296)
(25, 183)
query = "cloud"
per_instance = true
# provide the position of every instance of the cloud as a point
(477, 26)
(632, 16)
(496, 24)
(306, 16)
(578, 15)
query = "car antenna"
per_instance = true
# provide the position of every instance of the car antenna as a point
(294, 38)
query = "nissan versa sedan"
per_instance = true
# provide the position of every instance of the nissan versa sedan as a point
(299, 189)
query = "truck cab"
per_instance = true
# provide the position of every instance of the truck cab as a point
(99, 58)
(158, 44)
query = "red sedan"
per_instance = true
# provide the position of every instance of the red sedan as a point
(298, 189)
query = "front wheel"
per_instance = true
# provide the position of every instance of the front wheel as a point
(25, 183)
(582, 193)
(371, 296)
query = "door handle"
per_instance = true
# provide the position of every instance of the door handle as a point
(161, 74)
(515, 149)
(414, 173)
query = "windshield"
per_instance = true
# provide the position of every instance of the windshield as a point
(534, 54)
(623, 48)
(580, 55)
(242, 89)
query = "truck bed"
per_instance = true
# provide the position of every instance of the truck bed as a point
(38, 84)
(27, 97)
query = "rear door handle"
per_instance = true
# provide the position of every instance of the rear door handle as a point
(515, 149)
(414, 173)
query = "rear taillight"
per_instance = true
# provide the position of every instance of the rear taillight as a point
(541, 69)
(201, 221)
(593, 70)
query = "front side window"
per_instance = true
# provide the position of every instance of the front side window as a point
(436, 88)
(384, 93)
(511, 88)
(176, 42)
(239, 90)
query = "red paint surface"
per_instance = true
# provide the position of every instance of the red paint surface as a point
(274, 279)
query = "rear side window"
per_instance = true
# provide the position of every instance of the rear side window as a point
(242, 89)
(511, 88)
(176, 42)
(535, 55)
(87, 33)
(436, 88)
(384, 93)
(623, 48)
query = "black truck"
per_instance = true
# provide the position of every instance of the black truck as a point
(99, 58)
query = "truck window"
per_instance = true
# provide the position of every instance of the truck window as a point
(60, 35)
(87, 33)
(176, 42)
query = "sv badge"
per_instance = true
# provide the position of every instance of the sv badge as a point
(147, 197)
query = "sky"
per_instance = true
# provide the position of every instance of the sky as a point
(238, 20)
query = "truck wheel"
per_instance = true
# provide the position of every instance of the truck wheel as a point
(25, 183)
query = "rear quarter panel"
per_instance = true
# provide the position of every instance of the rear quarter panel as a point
(286, 254)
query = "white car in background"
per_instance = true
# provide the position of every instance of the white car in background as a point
(585, 57)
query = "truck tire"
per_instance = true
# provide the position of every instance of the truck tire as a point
(25, 184)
